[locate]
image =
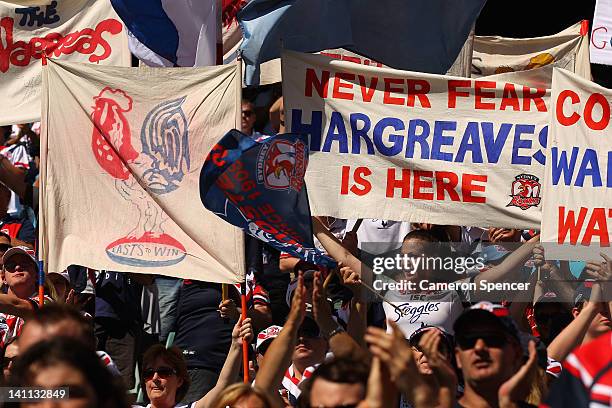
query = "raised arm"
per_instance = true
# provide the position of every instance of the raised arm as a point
(510, 267)
(15, 306)
(278, 356)
(340, 343)
(231, 367)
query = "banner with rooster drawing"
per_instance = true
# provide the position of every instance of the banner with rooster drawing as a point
(121, 151)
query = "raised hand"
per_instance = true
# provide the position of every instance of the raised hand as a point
(243, 330)
(517, 387)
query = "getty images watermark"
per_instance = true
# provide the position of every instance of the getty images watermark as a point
(440, 267)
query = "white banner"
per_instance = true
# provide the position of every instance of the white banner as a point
(577, 208)
(121, 152)
(73, 30)
(567, 49)
(415, 147)
(601, 34)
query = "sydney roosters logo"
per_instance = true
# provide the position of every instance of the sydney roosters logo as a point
(281, 165)
(525, 192)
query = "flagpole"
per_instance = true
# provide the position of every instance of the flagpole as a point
(41, 271)
(245, 344)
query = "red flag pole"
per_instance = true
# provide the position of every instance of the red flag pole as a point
(245, 344)
(41, 271)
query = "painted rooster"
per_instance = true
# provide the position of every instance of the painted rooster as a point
(162, 162)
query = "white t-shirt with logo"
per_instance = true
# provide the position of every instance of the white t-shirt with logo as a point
(416, 310)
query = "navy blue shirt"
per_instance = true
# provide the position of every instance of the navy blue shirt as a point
(201, 332)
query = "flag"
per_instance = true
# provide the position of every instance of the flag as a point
(601, 34)
(567, 49)
(121, 155)
(78, 31)
(171, 33)
(258, 185)
(417, 35)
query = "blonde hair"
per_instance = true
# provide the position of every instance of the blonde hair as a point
(232, 394)
(539, 387)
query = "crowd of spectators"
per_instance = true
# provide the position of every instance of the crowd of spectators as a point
(317, 337)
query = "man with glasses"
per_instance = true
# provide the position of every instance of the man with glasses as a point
(488, 353)
(248, 119)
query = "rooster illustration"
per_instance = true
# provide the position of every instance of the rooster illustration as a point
(162, 162)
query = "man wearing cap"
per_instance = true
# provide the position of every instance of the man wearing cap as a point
(19, 275)
(488, 353)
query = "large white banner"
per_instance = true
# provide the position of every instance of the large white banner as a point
(577, 208)
(121, 151)
(601, 34)
(73, 30)
(408, 146)
(568, 49)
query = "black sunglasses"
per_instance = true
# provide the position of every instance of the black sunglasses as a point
(491, 340)
(163, 372)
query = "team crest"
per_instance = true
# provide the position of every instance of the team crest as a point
(525, 192)
(281, 165)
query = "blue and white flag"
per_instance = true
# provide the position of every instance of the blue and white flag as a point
(258, 185)
(170, 32)
(415, 35)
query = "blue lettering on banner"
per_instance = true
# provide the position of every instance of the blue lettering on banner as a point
(360, 133)
(420, 138)
(470, 143)
(564, 167)
(442, 140)
(313, 129)
(397, 140)
(336, 133)
(521, 144)
(494, 145)
(31, 15)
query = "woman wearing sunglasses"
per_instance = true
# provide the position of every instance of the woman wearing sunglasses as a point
(165, 379)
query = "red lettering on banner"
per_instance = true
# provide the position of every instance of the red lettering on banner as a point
(392, 100)
(419, 88)
(537, 98)
(509, 98)
(361, 186)
(313, 81)
(393, 183)
(597, 225)
(468, 188)
(337, 93)
(85, 41)
(418, 184)
(479, 93)
(453, 93)
(597, 99)
(561, 118)
(446, 186)
(368, 94)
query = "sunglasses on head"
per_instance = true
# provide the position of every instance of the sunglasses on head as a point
(163, 372)
(494, 340)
